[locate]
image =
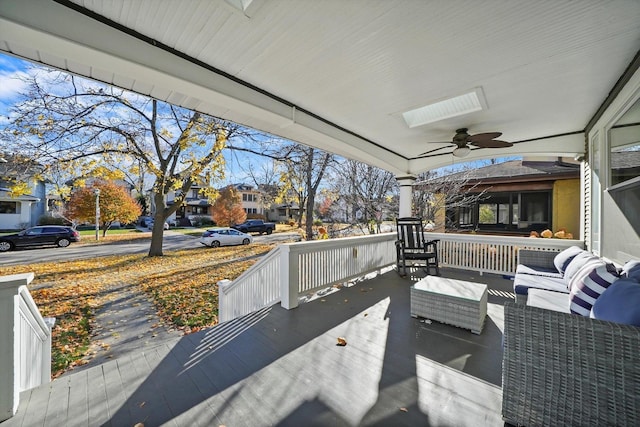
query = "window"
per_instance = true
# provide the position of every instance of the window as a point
(534, 211)
(623, 186)
(596, 185)
(495, 211)
(9, 207)
(624, 141)
(466, 216)
(509, 211)
(199, 210)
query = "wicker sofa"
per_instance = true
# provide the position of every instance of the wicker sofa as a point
(537, 270)
(561, 368)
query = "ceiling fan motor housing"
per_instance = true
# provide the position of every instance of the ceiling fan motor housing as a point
(461, 137)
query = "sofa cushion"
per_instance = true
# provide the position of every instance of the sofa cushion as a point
(562, 260)
(589, 283)
(538, 271)
(549, 300)
(523, 282)
(620, 303)
(576, 265)
(631, 269)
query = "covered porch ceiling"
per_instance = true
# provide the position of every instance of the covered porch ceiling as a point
(338, 75)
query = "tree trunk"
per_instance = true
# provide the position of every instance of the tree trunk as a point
(157, 234)
(309, 218)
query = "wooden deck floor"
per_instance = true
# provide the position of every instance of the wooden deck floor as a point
(279, 367)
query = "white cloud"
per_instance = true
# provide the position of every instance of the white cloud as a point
(11, 84)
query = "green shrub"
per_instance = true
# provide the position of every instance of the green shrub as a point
(202, 221)
(52, 220)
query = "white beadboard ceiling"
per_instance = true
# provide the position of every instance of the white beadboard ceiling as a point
(339, 74)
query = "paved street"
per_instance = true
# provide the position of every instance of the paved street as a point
(172, 241)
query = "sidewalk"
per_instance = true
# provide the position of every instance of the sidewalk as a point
(126, 324)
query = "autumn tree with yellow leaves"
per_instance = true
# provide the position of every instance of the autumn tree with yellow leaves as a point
(73, 123)
(115, 205)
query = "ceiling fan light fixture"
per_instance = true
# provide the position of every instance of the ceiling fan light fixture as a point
(461, 151)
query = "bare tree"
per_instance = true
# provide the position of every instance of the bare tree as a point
(434, 193)
(62, 119)
(366, 194)
(304, 169)
(266, 178)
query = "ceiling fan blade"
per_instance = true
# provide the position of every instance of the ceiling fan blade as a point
(432, 151)
(492, 143)
(484, 136)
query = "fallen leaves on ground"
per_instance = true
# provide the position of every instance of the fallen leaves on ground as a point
(181, 284)
(116, 237)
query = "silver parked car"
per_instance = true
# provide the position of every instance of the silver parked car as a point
(224, 236)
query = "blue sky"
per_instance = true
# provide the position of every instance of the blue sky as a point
(11, 68)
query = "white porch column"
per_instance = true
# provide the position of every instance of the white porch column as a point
(288, 278)
(405, 183)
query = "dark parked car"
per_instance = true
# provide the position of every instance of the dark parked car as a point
(255, 226)
(39, 236)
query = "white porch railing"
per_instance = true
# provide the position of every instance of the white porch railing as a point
(291, 269)
(25, 342)
(256, 288)
(491, 254)
(296, 268)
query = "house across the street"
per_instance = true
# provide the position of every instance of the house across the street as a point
(518, 197)
(20, 211)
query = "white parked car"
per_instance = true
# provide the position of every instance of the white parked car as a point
(150, 225)
(224, 236)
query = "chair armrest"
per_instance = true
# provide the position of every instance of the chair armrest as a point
(534, 258)
(565, 369)
(431, 245)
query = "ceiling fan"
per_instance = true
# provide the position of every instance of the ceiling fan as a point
(462, 140)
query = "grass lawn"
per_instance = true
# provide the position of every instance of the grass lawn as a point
(113, 235)
(181, 284)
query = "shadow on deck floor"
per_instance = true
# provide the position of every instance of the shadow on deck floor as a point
(280, 367)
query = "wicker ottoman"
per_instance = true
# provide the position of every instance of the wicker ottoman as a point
(455, 302)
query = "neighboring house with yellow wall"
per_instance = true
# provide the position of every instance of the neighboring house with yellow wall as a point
(521, 196)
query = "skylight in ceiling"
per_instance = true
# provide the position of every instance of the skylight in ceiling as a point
(452, 107)
(247, 7)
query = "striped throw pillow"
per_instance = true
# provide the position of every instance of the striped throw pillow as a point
(589, 283)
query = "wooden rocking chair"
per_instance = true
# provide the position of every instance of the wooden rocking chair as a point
(412, 248)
